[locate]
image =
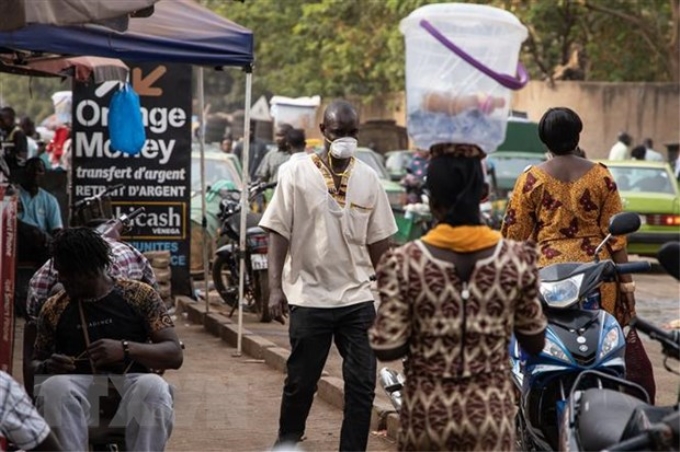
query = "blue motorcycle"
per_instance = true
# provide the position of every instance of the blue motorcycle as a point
(580, 338)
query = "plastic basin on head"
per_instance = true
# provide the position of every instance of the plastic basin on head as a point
(461, 67)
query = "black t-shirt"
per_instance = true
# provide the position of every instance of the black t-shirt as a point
(131, 311)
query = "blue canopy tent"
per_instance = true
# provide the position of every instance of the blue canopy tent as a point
(178, 31)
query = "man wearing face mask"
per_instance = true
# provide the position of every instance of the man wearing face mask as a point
(329, 222)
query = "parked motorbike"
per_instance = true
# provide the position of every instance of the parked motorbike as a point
(225, 270)
(580, 337)
(599, 419)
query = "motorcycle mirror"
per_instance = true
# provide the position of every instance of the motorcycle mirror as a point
(620, 224)
(624, 223)
(669, 258)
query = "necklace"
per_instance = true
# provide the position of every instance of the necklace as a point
(330, 166)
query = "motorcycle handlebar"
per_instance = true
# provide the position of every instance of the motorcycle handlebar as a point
(669, 339)
(135, 213)
(640, 442)
(657, 437)
(633, 267)
(98, 196)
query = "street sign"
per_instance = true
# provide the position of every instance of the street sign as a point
(159, 177)
(260, 110)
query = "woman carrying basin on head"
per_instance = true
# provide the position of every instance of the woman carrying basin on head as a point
(449, 303)
(565, 204)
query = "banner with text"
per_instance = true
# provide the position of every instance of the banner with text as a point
(159, 177)
(8, 245)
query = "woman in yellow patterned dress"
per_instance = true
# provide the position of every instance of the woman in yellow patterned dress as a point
(565, 204)
(449, 302)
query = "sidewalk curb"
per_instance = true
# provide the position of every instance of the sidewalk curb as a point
(330, 389)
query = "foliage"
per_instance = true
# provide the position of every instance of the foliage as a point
(30, 96)
(344, 48)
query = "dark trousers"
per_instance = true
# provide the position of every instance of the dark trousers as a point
(311, 333)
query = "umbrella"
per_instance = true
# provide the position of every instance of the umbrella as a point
(15, 14)
(83, 69)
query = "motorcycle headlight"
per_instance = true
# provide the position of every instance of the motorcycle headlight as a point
(611, 341)
(561, 294)
(555, 351)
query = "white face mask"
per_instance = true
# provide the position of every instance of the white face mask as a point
(343, 148)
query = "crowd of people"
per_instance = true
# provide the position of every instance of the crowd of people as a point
(623, 149)
(449, 301)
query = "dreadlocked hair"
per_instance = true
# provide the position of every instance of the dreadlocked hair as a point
(81, 251)
(456, 184)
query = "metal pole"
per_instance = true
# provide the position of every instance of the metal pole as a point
(204, 218)
(245, 208)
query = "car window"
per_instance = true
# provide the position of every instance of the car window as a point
(513, 166)
(215, 170)
(652, 180)
(372, 161)
(397, 163)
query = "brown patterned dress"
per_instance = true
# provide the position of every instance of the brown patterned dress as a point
(567, 220)
(458, 394)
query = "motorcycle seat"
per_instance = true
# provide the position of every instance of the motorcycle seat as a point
(252, 220)
(603, 416)
(255, 230)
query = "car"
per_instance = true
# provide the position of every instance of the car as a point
(506, 167)
(396, 163)
(395, 192)
(219, 166)
(222, 170)
(650, 190)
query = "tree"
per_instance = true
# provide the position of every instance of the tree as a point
(30, 96)
(354, 48)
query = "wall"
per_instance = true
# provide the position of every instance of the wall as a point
(642, 109)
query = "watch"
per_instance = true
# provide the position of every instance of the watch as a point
(126, 350)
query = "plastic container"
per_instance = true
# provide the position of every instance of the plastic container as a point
(461, 66)
(299, 112)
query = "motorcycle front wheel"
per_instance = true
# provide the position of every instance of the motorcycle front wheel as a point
(225, 278)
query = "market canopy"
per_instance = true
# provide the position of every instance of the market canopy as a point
(15, 14)
(178, 31)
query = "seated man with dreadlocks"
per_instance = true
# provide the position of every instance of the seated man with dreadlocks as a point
(102, 325)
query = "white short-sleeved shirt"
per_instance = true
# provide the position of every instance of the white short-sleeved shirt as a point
(328, 264)
(19, 420)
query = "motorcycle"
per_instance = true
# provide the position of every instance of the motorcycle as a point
(601, 418)
(225, 270)
(582, 341)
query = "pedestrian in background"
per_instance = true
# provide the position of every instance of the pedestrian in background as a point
(651, 155)
(621, 148)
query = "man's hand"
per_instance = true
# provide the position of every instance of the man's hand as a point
(106, 351)
(60, 364)
(278, 306)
